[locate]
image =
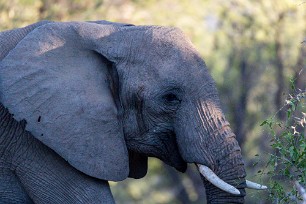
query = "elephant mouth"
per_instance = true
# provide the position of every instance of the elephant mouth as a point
(173, 156)
(178, 163)
(169, 152)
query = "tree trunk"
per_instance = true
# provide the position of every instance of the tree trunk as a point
(279, 66)
(241, 105)
(300, 69)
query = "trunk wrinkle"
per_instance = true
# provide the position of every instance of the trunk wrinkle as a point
(216, 181)
(221, 143)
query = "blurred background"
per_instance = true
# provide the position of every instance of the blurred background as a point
(251, 47)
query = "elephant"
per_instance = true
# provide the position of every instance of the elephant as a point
(84, 103)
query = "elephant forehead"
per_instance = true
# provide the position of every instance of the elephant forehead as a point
(169, 48)
(148, 41)
(172, 44)
(170, 36)
(180, 67)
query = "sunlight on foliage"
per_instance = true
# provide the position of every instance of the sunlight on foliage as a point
(287, 163)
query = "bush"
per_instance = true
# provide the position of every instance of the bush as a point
(286, 167)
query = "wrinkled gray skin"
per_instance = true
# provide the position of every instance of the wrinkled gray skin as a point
(88, 102)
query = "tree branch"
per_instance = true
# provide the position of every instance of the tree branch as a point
(301, 191)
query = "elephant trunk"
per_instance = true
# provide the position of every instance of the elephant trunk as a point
(229, 168)
(211, 143)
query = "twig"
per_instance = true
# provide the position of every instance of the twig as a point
(301, 191)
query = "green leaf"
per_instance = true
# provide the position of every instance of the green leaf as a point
(289, 113)
(264, 123)
(292, 83)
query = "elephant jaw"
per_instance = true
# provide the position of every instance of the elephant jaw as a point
(219, 183)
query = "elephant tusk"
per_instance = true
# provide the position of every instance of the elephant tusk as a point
(256, 186)
(216, 181)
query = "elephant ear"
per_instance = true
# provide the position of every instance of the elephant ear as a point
(9, 39)
(60, 78)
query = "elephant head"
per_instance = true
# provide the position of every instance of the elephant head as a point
(106, 96)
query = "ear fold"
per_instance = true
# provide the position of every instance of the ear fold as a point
(57, 79)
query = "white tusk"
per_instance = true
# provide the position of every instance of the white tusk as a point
(256, 186)
(216, 181)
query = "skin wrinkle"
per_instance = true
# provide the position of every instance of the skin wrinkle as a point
(25, 76)
(8, 193)
(224, 156)
(28, 99)
(59, 186)
(47, 194)
(229, 173)
(10, 129)
(216, 195)
(145, 139)
(225, 164)
(6, 118)
(150, 149)
(6, 144)
(11, 146)
(215, 129)
(18, 152)
(208, 116)
(202, 146)
(34, 95)
(17, 158)
(24, 163)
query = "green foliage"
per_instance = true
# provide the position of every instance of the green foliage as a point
(287, 163)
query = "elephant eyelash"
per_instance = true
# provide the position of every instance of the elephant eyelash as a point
(171, 98)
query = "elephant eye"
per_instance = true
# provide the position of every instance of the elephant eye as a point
(171, 98)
